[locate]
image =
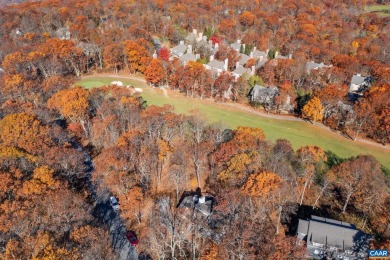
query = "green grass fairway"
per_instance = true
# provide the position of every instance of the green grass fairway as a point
(299, 133)
(382, 10)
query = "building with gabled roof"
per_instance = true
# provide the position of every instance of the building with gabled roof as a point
(311, 65)
(197, 201)
(359, 83)
(236, 45)
(216, 65)
(332, 238)
(179, 50)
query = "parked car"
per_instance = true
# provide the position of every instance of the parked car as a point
(130, 235)
(114, 203)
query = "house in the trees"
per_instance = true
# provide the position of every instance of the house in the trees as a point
(359, 84)
(328, 238)
(189, 56)
(197, 202)
(217, 66)
(196, 37)
(237, 45)
(311, 65)
(282, 57)
(240, 71)
(263, 95)
(260, 56)
(243, 59)
(63, 33)
(179, 50)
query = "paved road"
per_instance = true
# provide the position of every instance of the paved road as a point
(105, 214)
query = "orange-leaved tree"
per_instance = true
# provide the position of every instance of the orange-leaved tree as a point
(263, 184)
(23, 131)
(73, 104)
(313, 110)
(154, 72)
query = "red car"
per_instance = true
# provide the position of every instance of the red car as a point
(130, 235)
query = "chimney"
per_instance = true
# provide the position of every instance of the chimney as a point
(276, 54)
(181, 42)
(194, 31)
(189, 49)
(211, 57)
(155, 55)
(251, 55)
(243, 47)
(204, 38)
(200, 36)
(197, 56)
(290, 56)
(225, 65)
(253, 70)
(254, 49)
(239, 41)
(216, 46)
(237, 64)
(202, 200)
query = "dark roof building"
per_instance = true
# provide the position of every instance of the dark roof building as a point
(332, 238)
(198, 202)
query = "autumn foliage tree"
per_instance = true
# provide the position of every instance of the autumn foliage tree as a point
(73, 104)
(137, 55)
(247, 18)
(113, 55)
(154, 72)
(164, 54)
(313, 110)
(24, 131)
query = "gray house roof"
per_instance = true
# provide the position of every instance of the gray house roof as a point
(311, 65)
(257, 54)
(216, 64)
(359, 83)
(187, 57)
(236, 45)
(330, 232)
(242, 70)
(244, 59)
(179, 50)
(264, 95)
(358, 79)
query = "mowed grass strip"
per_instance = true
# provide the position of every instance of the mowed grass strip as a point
(381, 10)
(298, 133)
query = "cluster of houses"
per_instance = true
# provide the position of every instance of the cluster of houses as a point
(185, 51)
